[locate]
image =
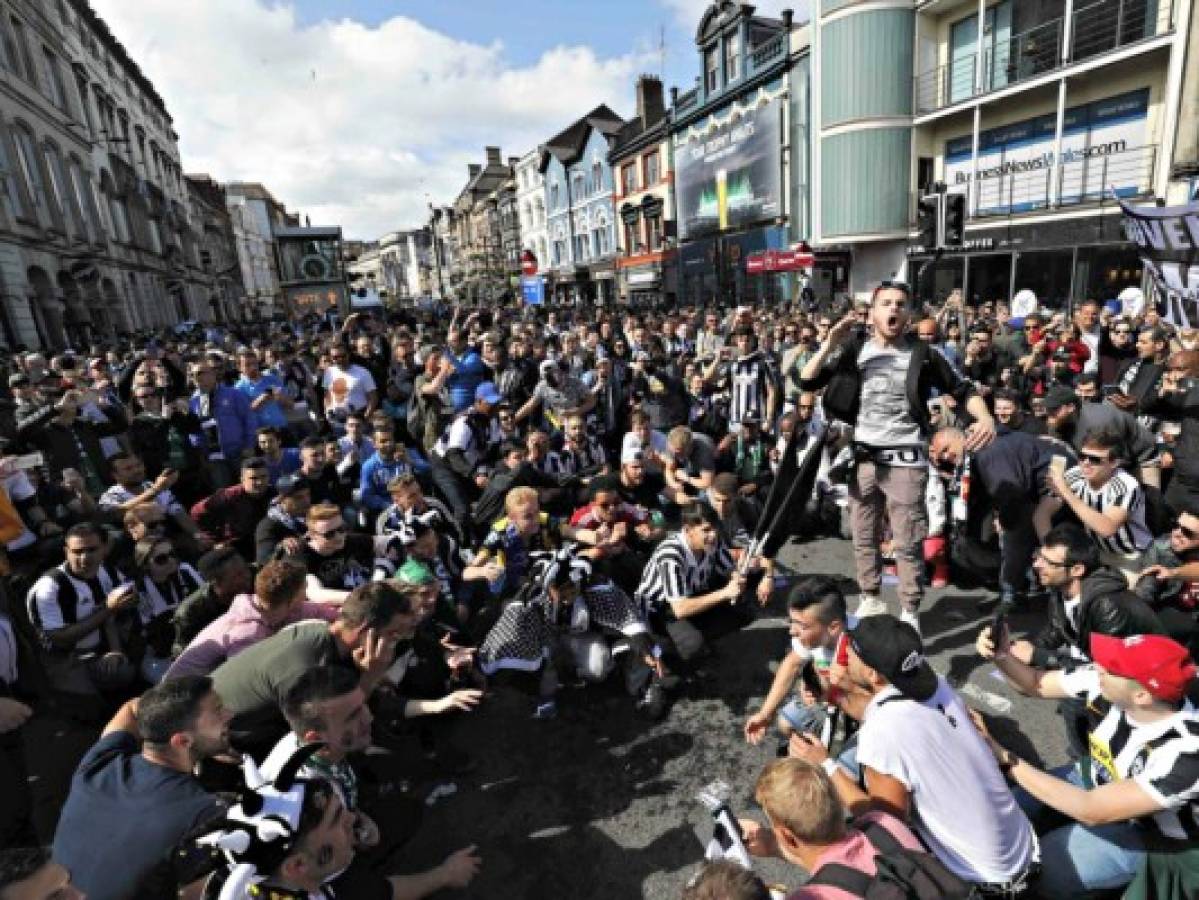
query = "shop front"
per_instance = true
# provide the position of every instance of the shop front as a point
(1062, 262)
(713, 270)
(648, 280)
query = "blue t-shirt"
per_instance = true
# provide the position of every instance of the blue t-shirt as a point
(123, 818)
(269, 414)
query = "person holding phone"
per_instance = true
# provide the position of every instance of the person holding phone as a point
(74, 608)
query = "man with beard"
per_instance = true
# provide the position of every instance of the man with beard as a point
(881, 385)
(134, 796)
(1138, 376)
(230, 517)
(1069, 420)
(751, 380)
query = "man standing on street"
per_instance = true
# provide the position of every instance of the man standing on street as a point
(881, 384)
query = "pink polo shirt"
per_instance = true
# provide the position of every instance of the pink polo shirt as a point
(238, 628)
(856, 852)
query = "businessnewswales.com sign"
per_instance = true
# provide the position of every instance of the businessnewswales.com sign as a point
(731, 176)
(1168, 240)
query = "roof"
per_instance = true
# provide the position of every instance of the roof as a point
(568, 145)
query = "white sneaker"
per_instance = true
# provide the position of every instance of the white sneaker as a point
(870, 605)
(913, 619)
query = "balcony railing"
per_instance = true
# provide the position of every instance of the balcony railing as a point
(1081, 177)
(1095, 29)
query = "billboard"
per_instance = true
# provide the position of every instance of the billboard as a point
(1016, 161)
(731, 176)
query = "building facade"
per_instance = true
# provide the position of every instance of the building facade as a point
(220, 265)
(644, 198)
(406, 260)
(258, 217)
(738, 178)
(580, 214)
(478, 273)
(95, 233)
(1039, 115)
(530, 203)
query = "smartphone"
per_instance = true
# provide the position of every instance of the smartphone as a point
(999, 626)
(1111, 390)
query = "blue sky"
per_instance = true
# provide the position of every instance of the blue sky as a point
(360, 112)
(527, 28)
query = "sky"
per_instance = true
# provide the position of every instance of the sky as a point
(358, 113)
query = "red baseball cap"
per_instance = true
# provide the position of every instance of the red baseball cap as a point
(1162, 666)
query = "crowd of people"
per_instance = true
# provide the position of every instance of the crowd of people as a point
(255, 554)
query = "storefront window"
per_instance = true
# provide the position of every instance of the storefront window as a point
(1046, 274)
(1102, 273)
(990, 277)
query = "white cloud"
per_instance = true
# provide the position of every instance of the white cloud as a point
(349, 124)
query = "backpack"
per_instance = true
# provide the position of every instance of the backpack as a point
(902, 874)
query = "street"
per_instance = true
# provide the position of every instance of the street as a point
(598, 803)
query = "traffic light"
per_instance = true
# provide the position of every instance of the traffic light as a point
(955, 220)
(928, 220)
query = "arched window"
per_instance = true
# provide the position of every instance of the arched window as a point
(13, 189)
(60, 202)
(116, 209)
(83, 198)
(31, 170)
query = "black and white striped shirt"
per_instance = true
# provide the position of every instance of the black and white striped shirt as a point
(749, 377)
(1121, 491)
(1161, 757)
(675, 572)
(587, 459)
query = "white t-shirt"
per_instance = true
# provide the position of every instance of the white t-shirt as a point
(961, 806)
(355, 382)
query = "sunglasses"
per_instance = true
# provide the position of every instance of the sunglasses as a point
(1093, 459)
(1189, 533)
(332, 532)
(162, 558)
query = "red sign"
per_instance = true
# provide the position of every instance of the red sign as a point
(755, 263)
(778, 261)
(528, 263)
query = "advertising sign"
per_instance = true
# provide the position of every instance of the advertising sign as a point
(532, 289)
(731, 176)
(1168, 240)
(1016, 161)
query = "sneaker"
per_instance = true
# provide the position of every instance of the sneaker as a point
(870, 605)
(912, 618)
(653, 702)
(546, 710)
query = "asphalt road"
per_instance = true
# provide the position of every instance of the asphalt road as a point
(600, 803)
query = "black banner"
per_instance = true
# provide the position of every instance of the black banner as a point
(1168, 239)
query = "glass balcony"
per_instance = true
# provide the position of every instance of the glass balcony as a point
(1096, 28)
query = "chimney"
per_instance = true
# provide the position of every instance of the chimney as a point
(473, 169)
(650, 106)
(493, 157)
(788, 16)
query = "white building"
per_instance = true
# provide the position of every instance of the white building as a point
(530, 201)
(256, 217)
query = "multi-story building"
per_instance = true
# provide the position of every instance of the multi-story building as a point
(644, 198)
(1040, 115)
(479, 273)
(530, 202)
(406, 260)
(444, 232)
(95, 237)
(502, 206)
(220, 265)
(580, 216)
(739, 141)
(257, 217)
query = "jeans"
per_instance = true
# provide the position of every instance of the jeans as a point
(898, 493)
(1077, 859)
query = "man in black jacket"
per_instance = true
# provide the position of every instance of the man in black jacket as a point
(1086, 599)
(881, 385)
(1138, 377)
(1008, 480)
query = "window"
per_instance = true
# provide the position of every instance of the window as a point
(732, 56)
(554, 195)
(653, 171)
(89, 118)
(60, 204)
(83, 198)
(628, 179)
(8, 175)
(54, 86)
(653, 226)
(22, 64)
(577, 185)
(597, 178)
(601, 241)
(30, 170)
(630, 237)
(712, 69)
